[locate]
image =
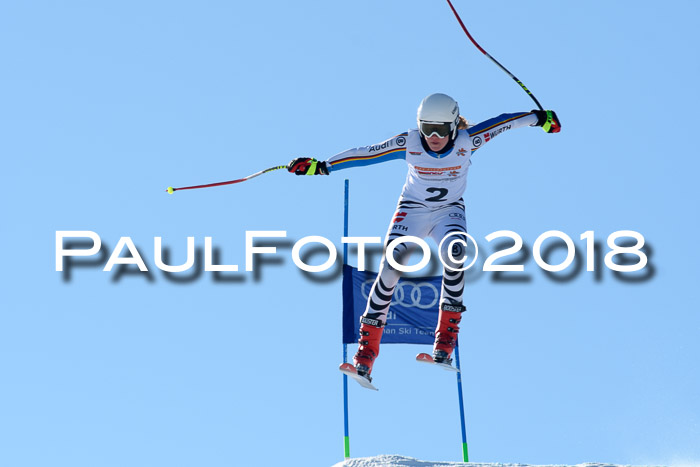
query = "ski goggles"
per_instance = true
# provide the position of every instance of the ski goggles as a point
(441, 129)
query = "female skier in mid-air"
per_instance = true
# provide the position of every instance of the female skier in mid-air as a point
(438, 156)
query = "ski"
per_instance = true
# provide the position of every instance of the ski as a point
(426, 358)
(351, 371)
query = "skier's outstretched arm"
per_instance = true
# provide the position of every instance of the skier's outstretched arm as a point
(393, 148)
(489, 129)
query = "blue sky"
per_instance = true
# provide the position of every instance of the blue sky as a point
(105, 104)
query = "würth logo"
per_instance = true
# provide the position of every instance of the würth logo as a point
(493, 134)
(399, 217)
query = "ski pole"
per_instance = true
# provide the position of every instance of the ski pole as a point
(171, 190)
(493, 59)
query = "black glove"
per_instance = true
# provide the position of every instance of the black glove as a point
(307, 166)
(548, 120)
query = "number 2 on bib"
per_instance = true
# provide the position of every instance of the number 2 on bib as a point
(440, 196)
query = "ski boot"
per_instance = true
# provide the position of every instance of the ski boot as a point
(446, 332)
(371, 330)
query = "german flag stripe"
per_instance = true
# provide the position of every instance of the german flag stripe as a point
(366, 158)
(499, 123)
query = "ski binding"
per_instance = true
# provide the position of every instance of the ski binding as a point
(351, 371)
(426, 358)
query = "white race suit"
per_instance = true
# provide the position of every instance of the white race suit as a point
(431, 203)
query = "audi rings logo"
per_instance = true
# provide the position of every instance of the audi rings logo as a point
(401, 141)
(423, 295)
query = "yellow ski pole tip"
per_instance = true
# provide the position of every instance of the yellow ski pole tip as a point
(170, 190)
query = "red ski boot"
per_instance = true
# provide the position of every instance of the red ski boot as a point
(446, 332)
(371, 331)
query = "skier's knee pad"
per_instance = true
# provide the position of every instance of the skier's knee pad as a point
(401, 253)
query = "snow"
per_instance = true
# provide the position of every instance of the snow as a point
(401, 461)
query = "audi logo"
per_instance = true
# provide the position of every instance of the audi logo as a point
(409, 293)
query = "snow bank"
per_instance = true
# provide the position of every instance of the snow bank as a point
(401, 461)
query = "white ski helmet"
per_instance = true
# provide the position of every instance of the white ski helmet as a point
(438, 113)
